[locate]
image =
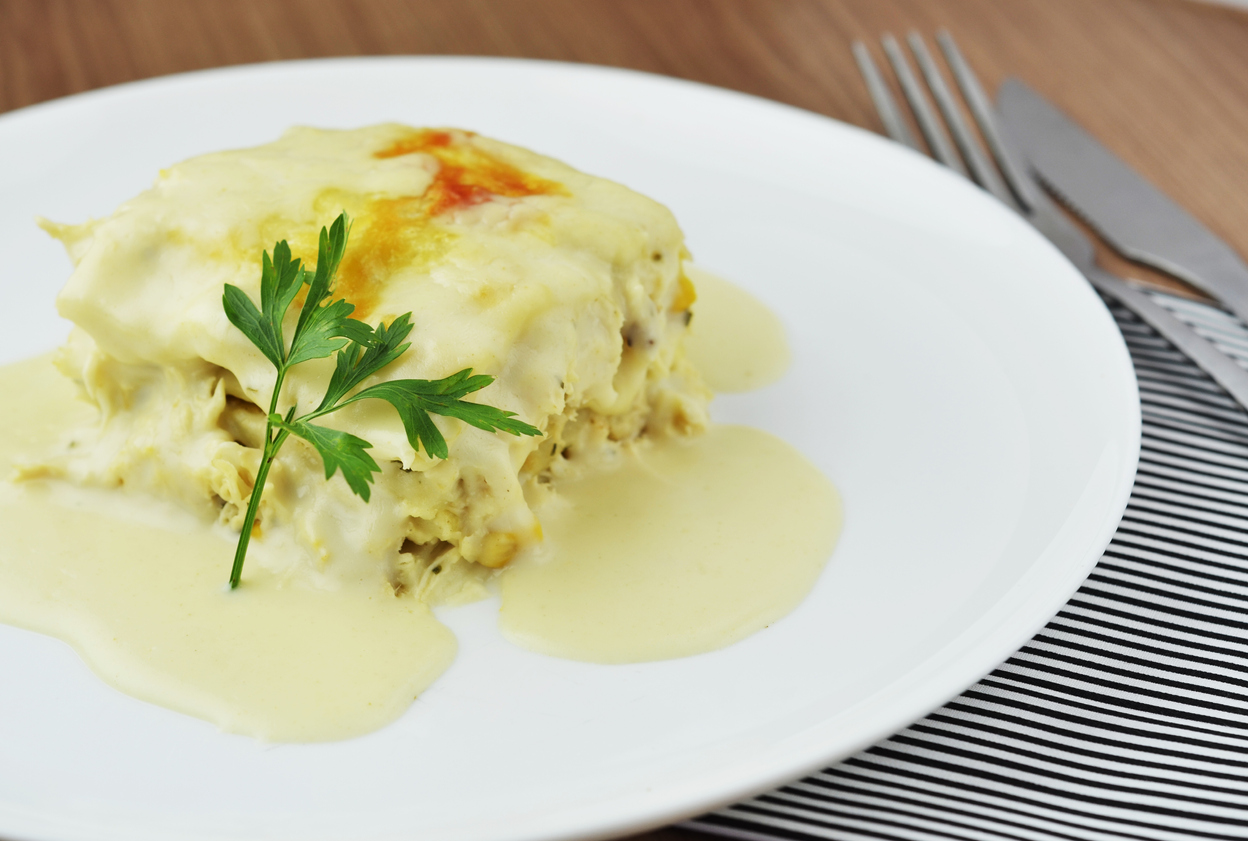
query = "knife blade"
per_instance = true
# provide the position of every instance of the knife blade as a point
(1135, 218)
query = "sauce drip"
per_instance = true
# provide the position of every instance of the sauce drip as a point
(734, 340)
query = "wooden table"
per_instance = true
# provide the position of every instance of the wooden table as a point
(1163, 82)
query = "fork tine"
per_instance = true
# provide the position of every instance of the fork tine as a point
(981, 169)
(885, 105)
(1020, 183)
(929, 125)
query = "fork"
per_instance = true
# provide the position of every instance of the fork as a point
(1011, 182)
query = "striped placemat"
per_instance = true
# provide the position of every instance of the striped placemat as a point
(1127, 716)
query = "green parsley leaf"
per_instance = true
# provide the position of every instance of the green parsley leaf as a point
(325, 332)
(243, 314)
(325, 328)
(414, 400)
(280, 281)
(355, 365)
(333, 244)
(339, 451)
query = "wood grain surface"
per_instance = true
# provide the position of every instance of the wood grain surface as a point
(1162, 82)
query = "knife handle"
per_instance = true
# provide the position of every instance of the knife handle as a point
(1224, 370)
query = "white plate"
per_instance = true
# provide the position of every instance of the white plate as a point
(954, 376)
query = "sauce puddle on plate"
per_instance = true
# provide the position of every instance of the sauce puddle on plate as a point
(687, 548)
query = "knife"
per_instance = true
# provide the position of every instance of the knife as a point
(1134, 217)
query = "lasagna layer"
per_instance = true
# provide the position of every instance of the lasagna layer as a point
(567, 288)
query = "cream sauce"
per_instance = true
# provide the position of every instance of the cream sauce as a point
(687, 548)
(735, 341)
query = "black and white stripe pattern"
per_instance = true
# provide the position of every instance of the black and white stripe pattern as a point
(1127, 716)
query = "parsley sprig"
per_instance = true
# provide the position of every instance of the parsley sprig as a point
(325, 327)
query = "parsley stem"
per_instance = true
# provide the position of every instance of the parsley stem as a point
(277, 391)
(253, 506)
(271, 446)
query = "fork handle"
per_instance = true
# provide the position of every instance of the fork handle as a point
(1224, 370)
